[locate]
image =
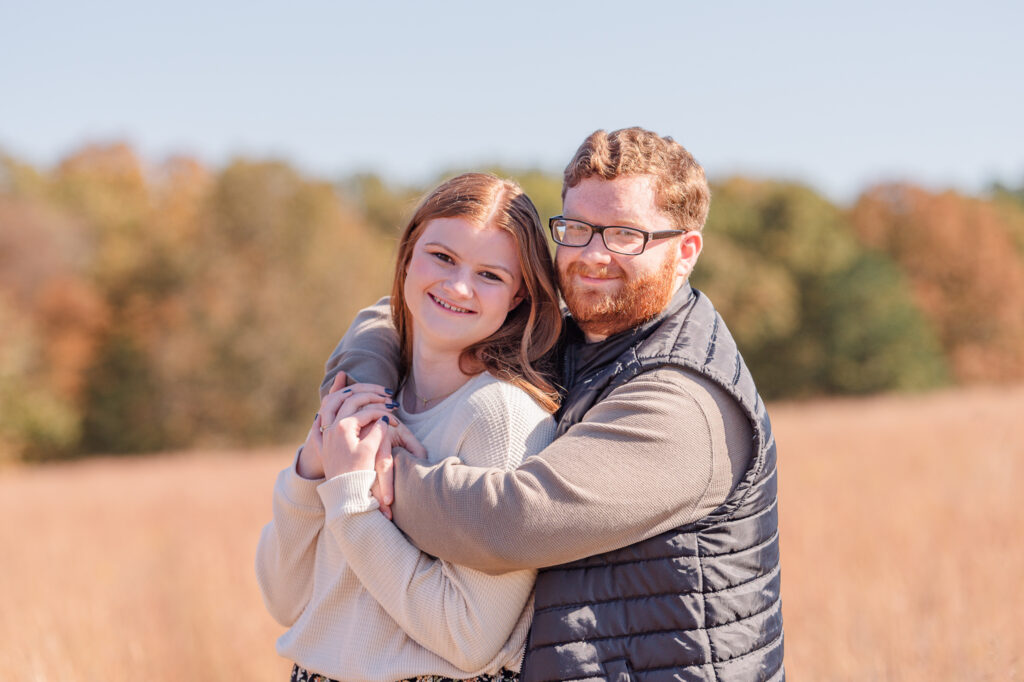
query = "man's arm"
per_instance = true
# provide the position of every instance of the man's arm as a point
(659, 452)
(369, 350)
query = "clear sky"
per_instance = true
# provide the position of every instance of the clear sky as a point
(838, 95)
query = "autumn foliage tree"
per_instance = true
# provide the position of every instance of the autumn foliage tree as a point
(965, 270)
(154, 306)
(148, 307)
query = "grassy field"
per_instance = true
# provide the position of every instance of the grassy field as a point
(901, 536)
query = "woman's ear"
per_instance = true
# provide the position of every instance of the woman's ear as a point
(517, 299)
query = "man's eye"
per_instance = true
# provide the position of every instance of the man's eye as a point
(624, 236)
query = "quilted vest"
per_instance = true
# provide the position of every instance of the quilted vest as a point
(700, 602)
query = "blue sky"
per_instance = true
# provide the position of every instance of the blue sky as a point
(835, 95)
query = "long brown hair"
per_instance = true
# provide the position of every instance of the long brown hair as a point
(520, 350)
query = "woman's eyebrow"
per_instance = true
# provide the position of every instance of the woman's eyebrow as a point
(498, 267)
(443, 246)
(456, 254)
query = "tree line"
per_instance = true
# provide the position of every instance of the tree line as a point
(147, 307)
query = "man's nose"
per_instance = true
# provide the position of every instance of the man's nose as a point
(595, 251)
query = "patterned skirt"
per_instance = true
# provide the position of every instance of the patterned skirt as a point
(303, 675)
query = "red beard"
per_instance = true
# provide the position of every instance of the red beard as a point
(633, 302)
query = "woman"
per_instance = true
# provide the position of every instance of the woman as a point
(476, 310)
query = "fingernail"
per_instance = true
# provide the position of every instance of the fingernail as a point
(387, 499)
(385, 419)
(389, 391)
(347, 390)
(315, 416)
(392, 405)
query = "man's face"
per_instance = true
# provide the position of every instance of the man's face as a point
(609, 292)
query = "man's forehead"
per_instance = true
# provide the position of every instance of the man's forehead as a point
(624, 200)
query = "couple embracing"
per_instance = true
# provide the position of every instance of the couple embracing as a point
(497, 489)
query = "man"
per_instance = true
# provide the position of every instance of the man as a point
(653, 516)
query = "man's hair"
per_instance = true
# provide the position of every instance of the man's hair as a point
(520, 351)
(681, 190)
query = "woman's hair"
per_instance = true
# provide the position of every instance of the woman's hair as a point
(519, 351)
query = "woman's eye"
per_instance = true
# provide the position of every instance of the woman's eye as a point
(490, 275)
(443, 257)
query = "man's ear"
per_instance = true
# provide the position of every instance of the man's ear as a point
(690, 246)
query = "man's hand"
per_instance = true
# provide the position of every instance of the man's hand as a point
(383, 488)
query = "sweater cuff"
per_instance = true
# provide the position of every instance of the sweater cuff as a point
(348, 493)
(298, 490)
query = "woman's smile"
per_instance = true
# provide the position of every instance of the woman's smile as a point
(449, 306)
(461, 281)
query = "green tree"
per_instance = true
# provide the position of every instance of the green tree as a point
(386, 207)
(811, 311)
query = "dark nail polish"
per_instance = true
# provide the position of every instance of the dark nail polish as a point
(392, 405)
(385, 419)
(315, 416)
(389, 391)
(347, 390)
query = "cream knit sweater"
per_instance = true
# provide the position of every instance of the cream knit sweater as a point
(364, 604)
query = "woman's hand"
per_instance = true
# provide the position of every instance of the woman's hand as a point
(355, 414)
(352, 425)
(352, 443)
(310, 464)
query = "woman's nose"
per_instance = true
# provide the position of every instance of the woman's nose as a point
(458, 284)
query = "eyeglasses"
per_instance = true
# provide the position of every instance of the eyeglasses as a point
(628, 241)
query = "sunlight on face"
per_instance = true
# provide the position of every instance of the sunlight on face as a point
(607, 292)
(461, 282)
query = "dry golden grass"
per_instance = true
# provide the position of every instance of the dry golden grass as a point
(901, 534)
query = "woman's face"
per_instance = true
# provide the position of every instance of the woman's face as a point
(461, 282)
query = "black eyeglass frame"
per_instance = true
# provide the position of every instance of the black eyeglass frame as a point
(599, 229)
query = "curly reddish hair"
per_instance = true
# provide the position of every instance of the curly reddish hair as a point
(680, 185)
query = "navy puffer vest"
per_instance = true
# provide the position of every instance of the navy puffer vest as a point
(700, 602)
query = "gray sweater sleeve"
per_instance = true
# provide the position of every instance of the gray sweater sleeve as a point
(661, 451)
(369, 350)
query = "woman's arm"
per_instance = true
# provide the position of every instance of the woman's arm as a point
(462, 615)
(465, 616)
(286, 553)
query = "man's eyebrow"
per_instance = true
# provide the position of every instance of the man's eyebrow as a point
(629, 222)
(456, 253)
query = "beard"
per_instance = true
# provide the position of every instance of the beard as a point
(635, 301)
